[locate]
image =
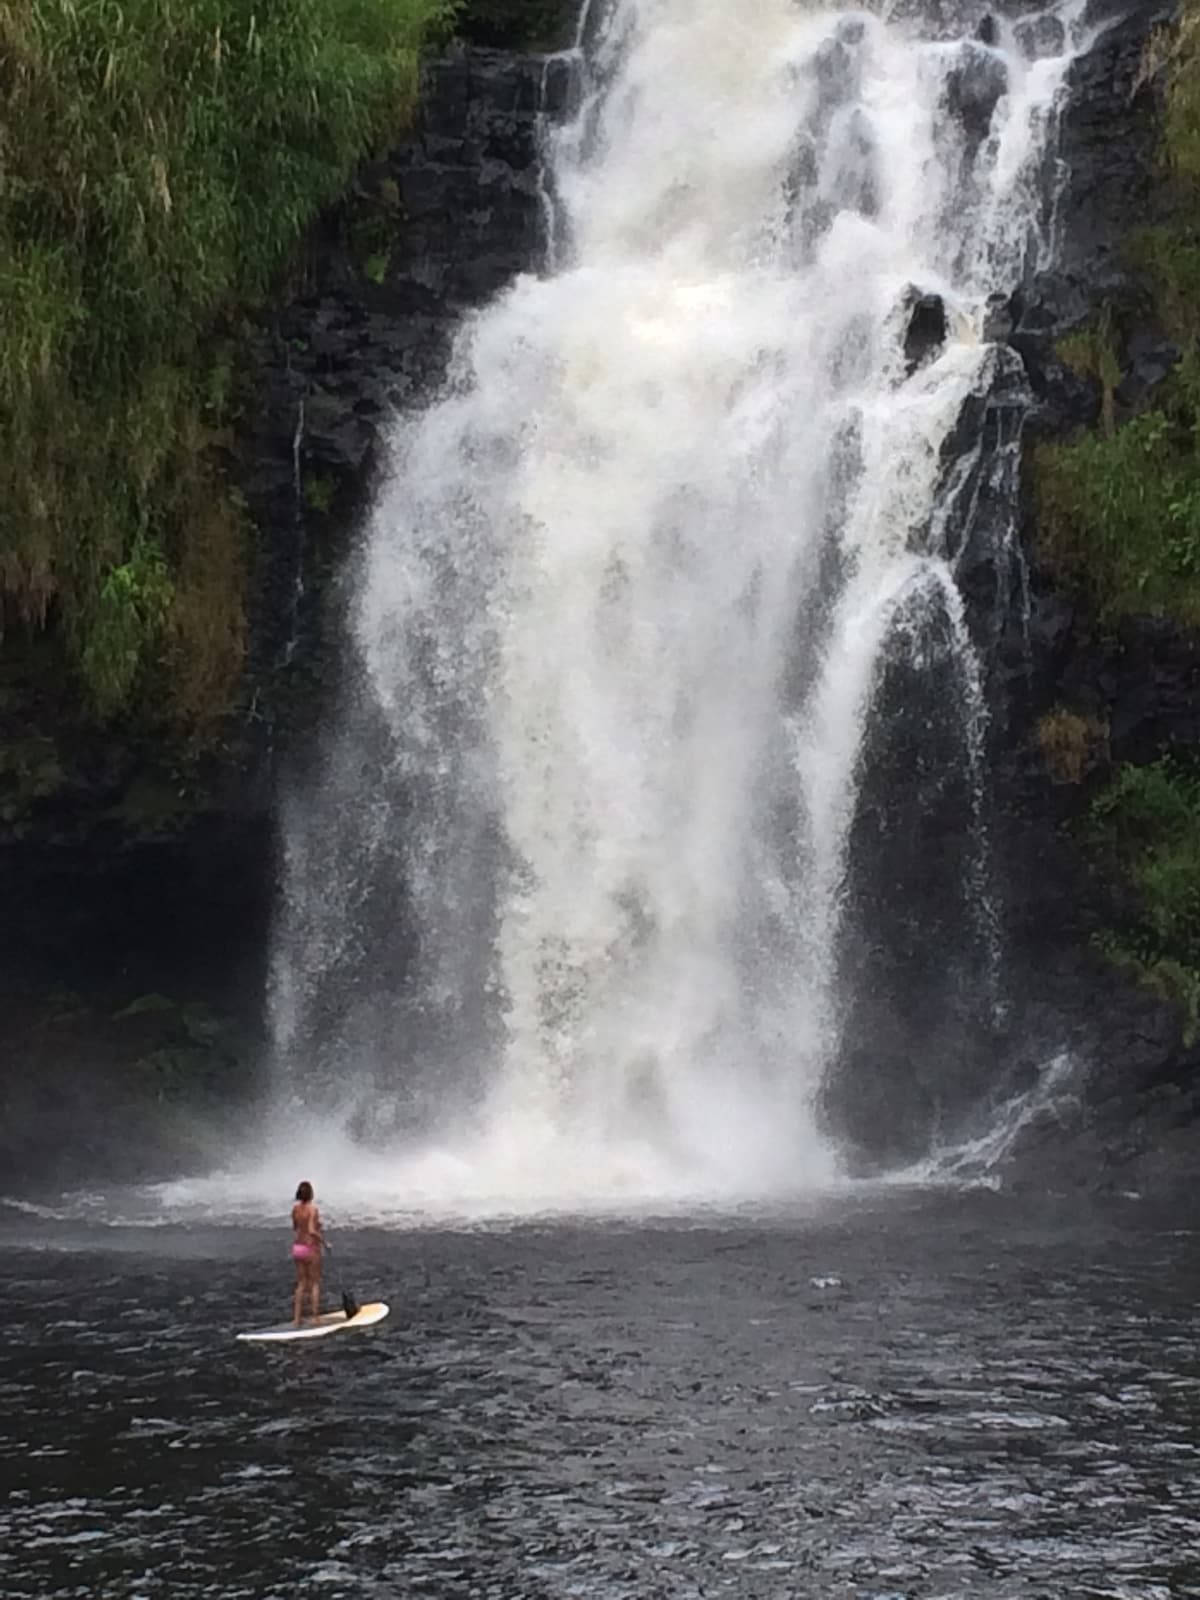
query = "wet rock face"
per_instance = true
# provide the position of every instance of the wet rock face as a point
(1041, 36)
(958, 19)
(519, 24)
(926, 331)
(1150, 358)
(436, 227)
(441, 223)
(974, 87)
(838, 67)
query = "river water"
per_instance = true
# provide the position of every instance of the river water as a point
(893, 1393)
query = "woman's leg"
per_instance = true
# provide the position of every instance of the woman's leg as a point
(314, 1285)
(298, 1294)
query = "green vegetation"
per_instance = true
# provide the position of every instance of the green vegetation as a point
(158, 162)
(1147, 821)
(30, 771)
(1119, 513)
(1119, 510)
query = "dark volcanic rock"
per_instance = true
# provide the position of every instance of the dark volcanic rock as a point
(1149, 361)
(1109, 152)
(925, 333)
(974, 86)
(439, 225)
(998, 318)
(519, 24)
(1041, 36)
(1109, 148)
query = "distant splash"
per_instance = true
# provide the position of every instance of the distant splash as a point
(493, 1180)
(984, 1158)
(504, 1172)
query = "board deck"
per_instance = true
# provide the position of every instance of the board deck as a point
(331, 1322)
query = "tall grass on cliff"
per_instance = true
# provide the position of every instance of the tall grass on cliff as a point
(158, 160)
(1119, 508)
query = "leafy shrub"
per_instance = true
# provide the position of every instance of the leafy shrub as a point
(1119, 514)
(1148, 821)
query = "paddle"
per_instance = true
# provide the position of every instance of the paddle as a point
(349, 1302)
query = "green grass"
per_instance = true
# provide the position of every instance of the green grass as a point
(1119, 513)
(159, 159)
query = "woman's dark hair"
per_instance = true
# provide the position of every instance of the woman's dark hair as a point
(304, 1192)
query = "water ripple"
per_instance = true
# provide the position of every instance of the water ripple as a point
(990, 1405)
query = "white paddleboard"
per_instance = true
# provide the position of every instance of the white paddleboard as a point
(331, 1322)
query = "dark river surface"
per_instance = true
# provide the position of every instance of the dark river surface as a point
(896, 1394)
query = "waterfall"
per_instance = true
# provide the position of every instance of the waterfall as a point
(564, 900)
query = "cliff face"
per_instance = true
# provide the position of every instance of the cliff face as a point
(140, 886)
(1072, 698)
(1131, 683)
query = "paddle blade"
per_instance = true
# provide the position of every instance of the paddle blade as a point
(349, 1304)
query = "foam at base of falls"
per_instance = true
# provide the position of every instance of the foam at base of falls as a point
(521, 1171)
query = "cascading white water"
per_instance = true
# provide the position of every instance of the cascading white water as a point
(626, 597)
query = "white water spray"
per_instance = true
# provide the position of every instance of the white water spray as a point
(568, 897)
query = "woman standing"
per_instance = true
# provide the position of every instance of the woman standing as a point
(306, 1253)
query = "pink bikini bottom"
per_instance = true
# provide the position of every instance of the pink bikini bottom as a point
(303, 1252)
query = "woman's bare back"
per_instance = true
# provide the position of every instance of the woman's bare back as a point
(306, 1221)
